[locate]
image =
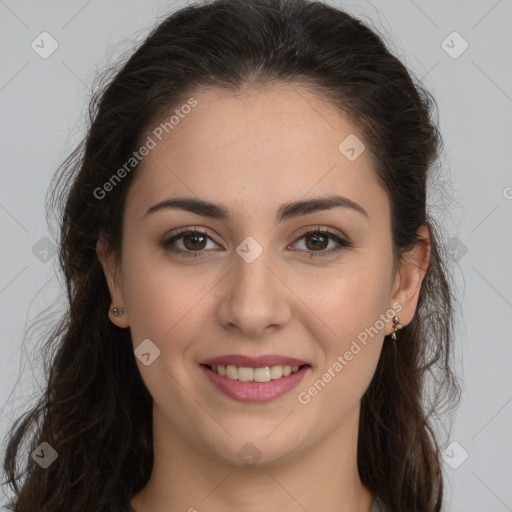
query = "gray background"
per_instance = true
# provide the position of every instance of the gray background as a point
(43, 104)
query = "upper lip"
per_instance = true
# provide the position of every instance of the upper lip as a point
(253, 362)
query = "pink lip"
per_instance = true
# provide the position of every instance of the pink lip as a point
(254, 362)
(255, 392)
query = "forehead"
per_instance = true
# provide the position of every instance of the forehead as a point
(254, 148)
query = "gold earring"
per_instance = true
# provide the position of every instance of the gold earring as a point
(117, 311)
(396, 323)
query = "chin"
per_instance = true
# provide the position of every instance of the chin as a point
(253, 450)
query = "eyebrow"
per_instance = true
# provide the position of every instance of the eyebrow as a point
(285, 212)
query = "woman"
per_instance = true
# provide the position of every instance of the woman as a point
(257, 294)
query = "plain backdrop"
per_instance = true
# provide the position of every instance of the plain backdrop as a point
(461, 51)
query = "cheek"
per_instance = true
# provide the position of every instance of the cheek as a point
(346, 301)
(165, 307)
(163, 303)
(349, 333)
(348, 307)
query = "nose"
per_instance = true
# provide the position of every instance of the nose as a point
(254, 299)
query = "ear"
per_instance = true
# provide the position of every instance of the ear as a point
(113, 276)
(409, 277)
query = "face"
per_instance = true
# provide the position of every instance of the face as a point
(256, 282)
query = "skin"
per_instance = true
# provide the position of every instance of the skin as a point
(251, 152)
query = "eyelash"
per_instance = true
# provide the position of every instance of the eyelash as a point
(343, 244)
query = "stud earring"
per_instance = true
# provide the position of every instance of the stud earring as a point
(396, 323)
(117, 311)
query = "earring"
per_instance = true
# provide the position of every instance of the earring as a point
(396, 323)
(117, 311)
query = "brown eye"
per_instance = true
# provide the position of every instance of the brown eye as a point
(317, 242)
(190, 242)
(194, 241)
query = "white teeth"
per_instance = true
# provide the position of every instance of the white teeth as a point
(231, 372)
(262, 374)
(245, 374)
(276, 372)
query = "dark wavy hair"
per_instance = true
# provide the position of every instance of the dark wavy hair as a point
(96, 411)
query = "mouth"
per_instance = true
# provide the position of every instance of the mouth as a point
(255, 380)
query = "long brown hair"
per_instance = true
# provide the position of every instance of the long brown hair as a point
(96, 412)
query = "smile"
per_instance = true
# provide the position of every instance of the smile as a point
(254, 385)
(261, 374)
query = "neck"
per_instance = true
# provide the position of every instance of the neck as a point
(324, 477)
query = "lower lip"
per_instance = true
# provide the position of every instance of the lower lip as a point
(255, 392)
